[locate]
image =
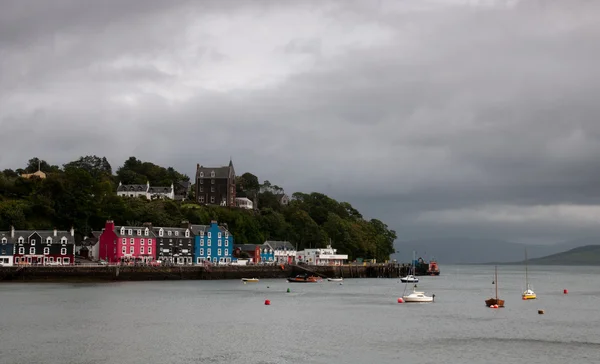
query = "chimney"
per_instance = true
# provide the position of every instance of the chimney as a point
(12, 231)
(55, 232)
(109, 226)
(147, 224)
(186, 224)
(72, 231)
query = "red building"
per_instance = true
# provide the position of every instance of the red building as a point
(252, 250)
(127, 244)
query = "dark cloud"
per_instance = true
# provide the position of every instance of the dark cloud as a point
(440, 117)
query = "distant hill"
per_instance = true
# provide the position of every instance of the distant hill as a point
(583, 255)
(463, 250)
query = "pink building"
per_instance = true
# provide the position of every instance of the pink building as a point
(127, 244)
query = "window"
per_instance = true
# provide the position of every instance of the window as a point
(187, 233)
(130, 250)
(212, 188)
(149, 250)
(31, 250)
(201, 242)
(146, 232)
(169, 232)
(201, 251)
(149, 241)
(4, 240)
(130, 232)
(46, 250)
(212, 181)
(123, 231)
(131, 240)
(63, 241)
(201, 189)
(219, 242)
(201, 174)
(226, 252)
(201, 233)
(142, 241)
(226, 242)
(219, 252)
(209, 234)
(226, 234)
(139, 232)
(124, 250)
(21, 240)
(201, 199)
(32, 241)
(63, 251)
(177, 233)
(161, 232)
(201, 181)
(219, 235)
(208, 252)
(66, 260)
(49, 240)
(21, 250)
(208, 242)
(124, 241)
(141, 250)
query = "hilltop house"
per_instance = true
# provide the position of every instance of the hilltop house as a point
(244, 203)
(174, 245)
(146, 191)
(213, 243)
(41, 246)
(216, 185)
(126, 244)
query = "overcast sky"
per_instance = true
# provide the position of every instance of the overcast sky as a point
(448, 117)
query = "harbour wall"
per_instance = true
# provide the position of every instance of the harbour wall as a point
(148, 273)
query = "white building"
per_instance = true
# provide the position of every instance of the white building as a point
(327, 256)
(146, 191)
(244, 203)
(284, 251)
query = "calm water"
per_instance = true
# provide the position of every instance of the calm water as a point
(357, 322)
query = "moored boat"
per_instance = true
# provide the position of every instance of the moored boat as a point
(304, 279)
(250, 280)
(417, 297)
(335, 279)
(495, 302)
(409, 279)
(529, 294)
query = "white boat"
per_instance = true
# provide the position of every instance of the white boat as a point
(409, 279)
(528, 294)
(249, 279)
(335, 279)
(417, 296)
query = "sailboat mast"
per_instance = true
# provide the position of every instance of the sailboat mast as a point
(496, 277)
(526, 271)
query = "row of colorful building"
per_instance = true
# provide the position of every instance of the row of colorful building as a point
(185, 245)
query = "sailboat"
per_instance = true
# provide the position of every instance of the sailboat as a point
(495, 302)
(529, 294)
(410, 278)
(415, 296)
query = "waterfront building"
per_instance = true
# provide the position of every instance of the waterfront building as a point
(146, 191)
(213, 243)
(6, 249)
(41, 247)
(327, 256)
(175, 245)
(216, 185)
(247, 251)
(127, 244)
(267, 254)
(283, 251)
(88, 247)
(244, 203)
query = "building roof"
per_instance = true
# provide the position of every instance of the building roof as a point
(180, 232)
(134, 230)
(246, 247)
(132, 188)
(196, 229)
(160, 189)
(44, 235)
(279, 245)
(219, 172)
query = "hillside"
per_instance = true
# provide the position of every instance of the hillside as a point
(82, 194)
(464, 250)
(583, 255)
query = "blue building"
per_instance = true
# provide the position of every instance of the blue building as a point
(7, 248)
(212, 243)
(267, 254)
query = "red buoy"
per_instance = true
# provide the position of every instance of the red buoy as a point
(267, 302)
(565, 291)
(400, 300)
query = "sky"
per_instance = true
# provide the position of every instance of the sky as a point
(440, 117)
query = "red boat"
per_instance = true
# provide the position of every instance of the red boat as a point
(304, 279)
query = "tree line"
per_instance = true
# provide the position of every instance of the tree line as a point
(82, 193)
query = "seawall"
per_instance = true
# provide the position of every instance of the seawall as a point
(147, 273)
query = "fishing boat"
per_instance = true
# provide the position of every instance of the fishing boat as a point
(528, 294)
(495, 302)
(253, 280)
(335, 279)
(304, 279)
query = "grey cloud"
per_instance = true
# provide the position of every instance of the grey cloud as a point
(462, 106)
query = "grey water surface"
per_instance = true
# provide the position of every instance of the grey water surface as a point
(359, 321)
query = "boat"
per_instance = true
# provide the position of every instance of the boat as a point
(415, 296)
(495, 302)
(304, 279)
(335, 279)
(409, 279)
(423, 268)
(528, 294)
(249, 279)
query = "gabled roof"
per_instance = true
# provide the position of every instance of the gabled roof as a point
(180, 231)
(219, 172)
(196, 229)
(132, 188)
(44, 235)
(279, 245)
(246, 247)
(160, 190)
(134, 230)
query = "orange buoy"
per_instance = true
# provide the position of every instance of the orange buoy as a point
(565, 291)
(267, 302)
(400, 300)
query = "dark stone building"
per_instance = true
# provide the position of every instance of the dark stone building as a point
(215, 186)
(175, 245)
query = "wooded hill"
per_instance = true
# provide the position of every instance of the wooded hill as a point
(82, 194)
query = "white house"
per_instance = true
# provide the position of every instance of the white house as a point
(327, 256)
(146, 191)
(244, 203)
(284, 251)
